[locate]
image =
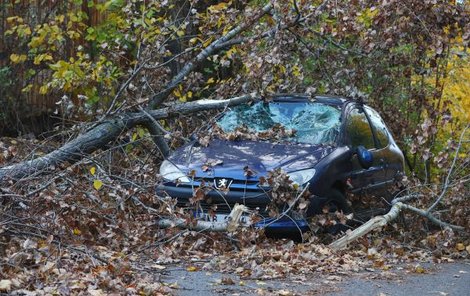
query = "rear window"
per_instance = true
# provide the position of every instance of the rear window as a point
(313, 123)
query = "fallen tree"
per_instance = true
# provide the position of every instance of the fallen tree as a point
(107, 131)
(109, 128)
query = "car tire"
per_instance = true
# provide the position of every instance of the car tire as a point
(339, 199)
(335, 197)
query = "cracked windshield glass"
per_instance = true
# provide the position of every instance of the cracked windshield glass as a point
(313, 123)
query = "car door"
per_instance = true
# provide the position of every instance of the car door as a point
(359, 133)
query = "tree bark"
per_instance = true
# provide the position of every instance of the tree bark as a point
(106, 132)
(381, 221)
(374, 223)
(230, 225)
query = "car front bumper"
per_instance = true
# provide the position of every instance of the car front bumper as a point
(253, 199)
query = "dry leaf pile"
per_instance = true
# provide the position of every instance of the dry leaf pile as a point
(65, 233)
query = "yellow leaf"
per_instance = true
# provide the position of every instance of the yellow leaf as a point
(77, 231)
(16, 58)
(27, 88)
(230, 52)
(92, 171)
(419, 269)
(219, 7)
(180, 33)
(207, 42)
(192, 268)
(296, 71)
(42, 57)
(177, 93)
(43, 89)
(24, 30)
(190, 94)
(60, 18)
(210, 80)
(97, 184)
(460, 247)
(11, 19)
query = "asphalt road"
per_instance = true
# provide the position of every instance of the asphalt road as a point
(442, 279)
(437, 279)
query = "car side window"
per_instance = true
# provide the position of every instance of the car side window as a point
(358, 129)
(379, 126)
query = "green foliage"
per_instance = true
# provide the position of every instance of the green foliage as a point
(5, 78)
(5, 83)
(119, 54)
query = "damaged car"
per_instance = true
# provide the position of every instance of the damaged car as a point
(327, 146)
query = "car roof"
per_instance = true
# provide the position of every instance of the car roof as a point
(336, 101)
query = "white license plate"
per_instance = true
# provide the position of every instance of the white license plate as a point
(244, 219)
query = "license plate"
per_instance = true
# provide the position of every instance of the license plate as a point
(244, 219)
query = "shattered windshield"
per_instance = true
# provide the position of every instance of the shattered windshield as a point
(313, 123)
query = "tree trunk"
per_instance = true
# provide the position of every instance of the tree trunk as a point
(106, 132)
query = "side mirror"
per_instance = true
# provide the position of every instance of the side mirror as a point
(364, 156)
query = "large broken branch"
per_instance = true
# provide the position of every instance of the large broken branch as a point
(230, 225)
(372, 224)
(106, 132)
(381, 221)
(398, 204)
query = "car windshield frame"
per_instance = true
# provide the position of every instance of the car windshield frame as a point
(291, 115)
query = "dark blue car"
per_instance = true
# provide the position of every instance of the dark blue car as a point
(338, 146)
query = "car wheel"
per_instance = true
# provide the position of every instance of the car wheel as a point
(338, 199)
(335, 200)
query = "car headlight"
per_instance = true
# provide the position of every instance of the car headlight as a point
(301, 177)
(171, 172)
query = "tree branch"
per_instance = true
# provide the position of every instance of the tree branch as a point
(381, 221)
(106, 132)
(230, 224)
(209, 50)
(446, 183)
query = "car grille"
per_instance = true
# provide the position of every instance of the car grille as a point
(248, 185)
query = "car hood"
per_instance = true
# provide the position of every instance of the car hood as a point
(229, 158)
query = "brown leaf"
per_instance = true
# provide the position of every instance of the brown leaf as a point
(303, 205)
(227, 281)
(248, 172)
